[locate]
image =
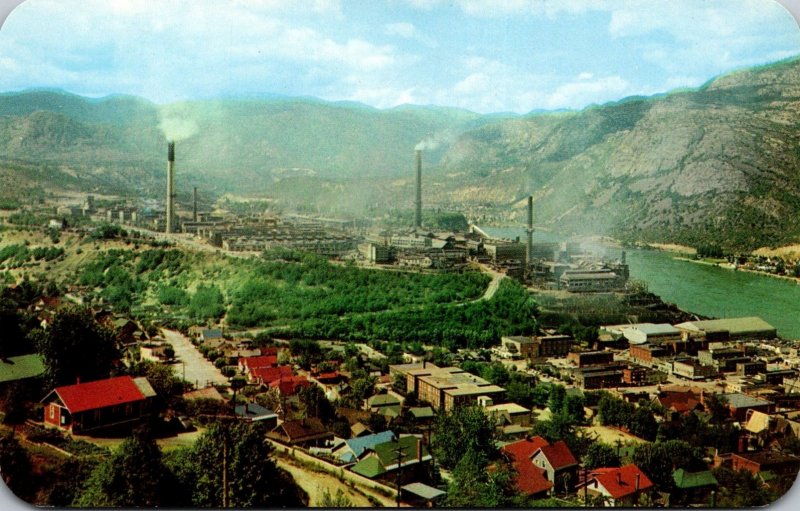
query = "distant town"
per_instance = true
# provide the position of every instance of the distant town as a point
(556, 408)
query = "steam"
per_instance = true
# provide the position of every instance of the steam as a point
(177, 126)
(434, 141)
(428, 144)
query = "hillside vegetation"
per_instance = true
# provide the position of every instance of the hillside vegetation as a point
(717, 164)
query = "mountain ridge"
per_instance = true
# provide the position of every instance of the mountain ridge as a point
(713, 163)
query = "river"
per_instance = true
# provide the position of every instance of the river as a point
(708, 290)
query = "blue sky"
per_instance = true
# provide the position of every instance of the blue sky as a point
(482, 55)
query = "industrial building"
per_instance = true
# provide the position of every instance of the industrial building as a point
(446, 388)
(728, 329)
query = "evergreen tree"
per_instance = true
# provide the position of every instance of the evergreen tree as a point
(134, 476)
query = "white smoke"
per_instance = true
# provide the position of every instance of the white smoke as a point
(434, 141)
(177, 126)
(428, 144)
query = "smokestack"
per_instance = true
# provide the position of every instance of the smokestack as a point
(170, 188)
(194, 207)
(529, 251)
(418, 201)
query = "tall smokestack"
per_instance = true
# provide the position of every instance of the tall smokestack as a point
(170, 187)
(418, 201)
(529, 248)
(194, 206)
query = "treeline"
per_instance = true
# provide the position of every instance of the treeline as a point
(17, 255)
(471, 325)
(315, 288)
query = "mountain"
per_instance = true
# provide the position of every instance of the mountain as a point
(719, 164)
(239, 145)
(716, 164)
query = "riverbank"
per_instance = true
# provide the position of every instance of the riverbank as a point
(729, 266)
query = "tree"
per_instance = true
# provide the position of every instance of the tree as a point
(14, 340)
(601, 455)
(738, 489)
(75, 346)
(337, 501)
(658, 460)
(315, 404)
(473, 486)
(241, 453)
(556, 400)
(459, 430)
(134, 476)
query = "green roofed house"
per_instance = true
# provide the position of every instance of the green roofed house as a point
(686, 480)
(21, 368)
(408, 455)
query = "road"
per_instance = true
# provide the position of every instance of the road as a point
(198, 370)
(491, 289)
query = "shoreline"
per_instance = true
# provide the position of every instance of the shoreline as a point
(728, 266)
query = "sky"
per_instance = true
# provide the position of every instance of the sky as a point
(481, 55)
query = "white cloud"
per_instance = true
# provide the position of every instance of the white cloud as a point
(402, 29)
(585, 92)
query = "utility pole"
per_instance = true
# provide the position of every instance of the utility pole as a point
(399, 453)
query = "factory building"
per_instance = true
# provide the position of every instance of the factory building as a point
(603, 280)
(728, 329)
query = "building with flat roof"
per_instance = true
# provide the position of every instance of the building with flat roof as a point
(728, 329)
(641, 333)
(590, 358)
(446, 388)
(584, 281)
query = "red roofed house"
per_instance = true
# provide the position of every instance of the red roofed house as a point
(559, 464)
(246, 364)
(290, 385)
(266, 375)
(621, 487)
(530, 479)
(99, 404)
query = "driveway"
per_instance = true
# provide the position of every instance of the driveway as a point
(192, 366)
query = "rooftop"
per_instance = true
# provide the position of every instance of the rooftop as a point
(736, 326)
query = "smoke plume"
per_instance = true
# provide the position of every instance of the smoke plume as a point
(177, 126)
(434, 141)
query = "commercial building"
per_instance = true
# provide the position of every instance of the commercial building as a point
(646, 353)
(728, 329)
(692, 370)
(499, 250)
(598, 377)
(590, 358)
(641, 333)
(446, 388)
(538, 346)
(583, 281)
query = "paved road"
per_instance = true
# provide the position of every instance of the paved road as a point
(199, 371)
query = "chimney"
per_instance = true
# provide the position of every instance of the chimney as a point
(419, 450)
(529, 248)
(637, 482)
(418, 200)
(194, 206)
(619, 477)
(170, 188)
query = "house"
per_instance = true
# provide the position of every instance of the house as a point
(681, 400)
(421, 495)
(247, 364)
(99, 404)
(267, 375)
(378, 402)
(742, 404)
(693, 487)
(253, 412)
(530, 479)
(766, 461)
(559, 464)
(354, 448)
(290, 385)
(401, 461)
(209, 334)
(620, 487)
(303, 432)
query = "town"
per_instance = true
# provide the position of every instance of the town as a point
(698, 412)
